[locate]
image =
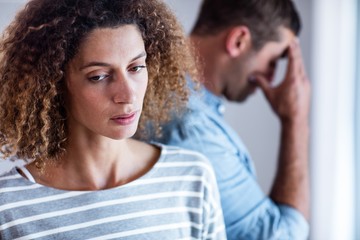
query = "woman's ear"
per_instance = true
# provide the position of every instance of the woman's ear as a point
(238, 40)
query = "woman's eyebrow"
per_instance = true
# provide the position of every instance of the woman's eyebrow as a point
(92, 64)
(103, 64)
(143, 54)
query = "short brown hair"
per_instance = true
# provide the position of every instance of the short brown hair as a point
(45, 36)
(262, 17)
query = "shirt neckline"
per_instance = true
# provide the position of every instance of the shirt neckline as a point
(30, 179)
(215, 103)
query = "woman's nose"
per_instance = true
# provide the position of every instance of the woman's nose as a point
(123, 90)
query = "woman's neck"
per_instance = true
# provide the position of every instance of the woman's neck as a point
(100, 164)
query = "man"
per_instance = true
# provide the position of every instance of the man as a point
(238, 43)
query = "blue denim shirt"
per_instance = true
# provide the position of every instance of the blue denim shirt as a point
(248, 212)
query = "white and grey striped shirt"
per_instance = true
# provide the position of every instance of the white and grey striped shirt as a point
(177, 199)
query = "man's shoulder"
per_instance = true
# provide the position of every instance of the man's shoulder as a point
(195, 125)
(195, 118)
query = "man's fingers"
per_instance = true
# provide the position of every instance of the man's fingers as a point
(295, 68)
(300, 61)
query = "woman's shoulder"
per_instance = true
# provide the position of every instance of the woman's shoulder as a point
(12, 180)
(175, 152)
(8, 175)
(183, 158)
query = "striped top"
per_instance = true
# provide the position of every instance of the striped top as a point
(176, 199)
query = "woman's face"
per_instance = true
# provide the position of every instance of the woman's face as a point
(106, 83)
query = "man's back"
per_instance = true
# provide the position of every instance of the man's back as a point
(248, 212)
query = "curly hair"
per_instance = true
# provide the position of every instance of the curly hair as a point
(45, 36)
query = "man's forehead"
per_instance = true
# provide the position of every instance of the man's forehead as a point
(286, 35)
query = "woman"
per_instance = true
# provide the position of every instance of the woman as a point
(75, 77)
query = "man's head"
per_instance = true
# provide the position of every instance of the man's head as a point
(254, 34)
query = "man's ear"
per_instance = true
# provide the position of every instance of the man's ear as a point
(238, 40)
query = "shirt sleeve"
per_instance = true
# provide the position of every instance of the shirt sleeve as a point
(248, 212)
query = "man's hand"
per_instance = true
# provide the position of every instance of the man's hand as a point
(291, 98)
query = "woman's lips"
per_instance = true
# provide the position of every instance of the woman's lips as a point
(125, 119)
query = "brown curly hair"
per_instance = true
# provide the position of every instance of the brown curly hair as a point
(45, 36)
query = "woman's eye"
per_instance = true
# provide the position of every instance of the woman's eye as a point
(137, 68)
(98, 78)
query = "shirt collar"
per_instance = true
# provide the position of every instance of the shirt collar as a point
(214, 102)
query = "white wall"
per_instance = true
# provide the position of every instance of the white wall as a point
(333, 181)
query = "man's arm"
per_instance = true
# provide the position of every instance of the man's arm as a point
(290, 101)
